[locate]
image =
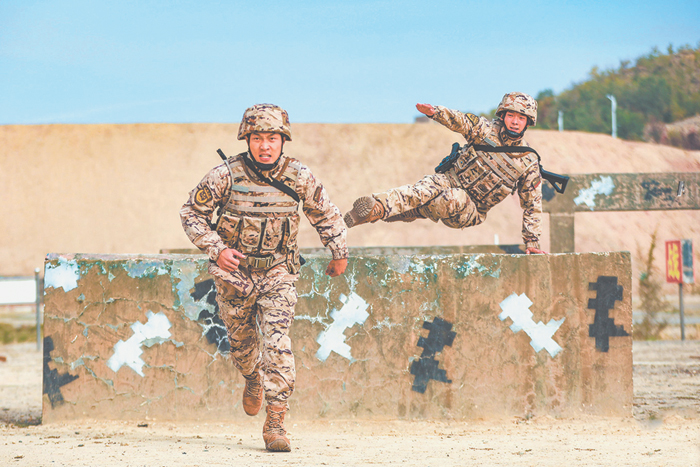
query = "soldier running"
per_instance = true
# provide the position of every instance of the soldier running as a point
(481, 174)
(254, 256)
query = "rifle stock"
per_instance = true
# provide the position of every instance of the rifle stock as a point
(557, 181)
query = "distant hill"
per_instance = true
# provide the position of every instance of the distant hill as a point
(658, 89)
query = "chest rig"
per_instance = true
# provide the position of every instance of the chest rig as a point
(488, 173)
(259, 220)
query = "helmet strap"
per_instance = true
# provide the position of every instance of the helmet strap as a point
(511, 135)
(514, 135)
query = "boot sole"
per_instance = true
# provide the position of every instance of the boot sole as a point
(278, 445)
(361, 210)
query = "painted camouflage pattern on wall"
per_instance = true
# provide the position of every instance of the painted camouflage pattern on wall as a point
(354, 338)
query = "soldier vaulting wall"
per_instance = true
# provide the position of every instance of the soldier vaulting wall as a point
(445, 336)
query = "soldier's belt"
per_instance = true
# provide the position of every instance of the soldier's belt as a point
(260, 262)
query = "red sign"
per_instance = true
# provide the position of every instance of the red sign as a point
(674, 266)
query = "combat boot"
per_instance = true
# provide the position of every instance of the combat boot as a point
(365, 209)
(407, 216)
(274, 433)
(253, 393)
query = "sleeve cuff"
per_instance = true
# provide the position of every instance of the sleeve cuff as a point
(213, 252)
(535, 245)
(340, 253)
(435, 114)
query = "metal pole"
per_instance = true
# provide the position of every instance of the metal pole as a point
(680, 297)
(560, 120)
(39, 292)
(614, 114)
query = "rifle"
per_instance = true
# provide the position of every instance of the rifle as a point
(557, 181)
(553, 179)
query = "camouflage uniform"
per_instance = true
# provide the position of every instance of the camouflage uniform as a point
(261, 222)
(478, 180)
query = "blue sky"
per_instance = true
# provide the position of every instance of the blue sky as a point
(324, 61)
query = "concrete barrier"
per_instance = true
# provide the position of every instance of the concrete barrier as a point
(397, 337)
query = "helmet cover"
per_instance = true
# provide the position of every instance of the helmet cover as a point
(521, 103)
(264, 118)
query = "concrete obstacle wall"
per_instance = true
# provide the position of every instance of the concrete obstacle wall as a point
(459, 336)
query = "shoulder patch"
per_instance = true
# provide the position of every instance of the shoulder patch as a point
(203, 195)
(317, 194)
(473, 119)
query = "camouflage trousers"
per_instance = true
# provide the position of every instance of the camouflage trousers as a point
(438, 199)
(258, 328)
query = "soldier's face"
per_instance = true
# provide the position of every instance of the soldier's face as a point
(266, 148)
(514, 121)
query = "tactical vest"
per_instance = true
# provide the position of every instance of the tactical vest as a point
(489, 177)
(259, 220)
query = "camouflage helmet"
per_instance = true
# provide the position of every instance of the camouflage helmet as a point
(521, 103)
(265, 118)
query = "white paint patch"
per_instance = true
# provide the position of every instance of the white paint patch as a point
(517, 308)
(398, 263)
(313, 319)
(384, 324)
(332, 339)
(187, 272)
(603, 186)
(470, 264)
(155, 331)
(137, 269)
(65, 274)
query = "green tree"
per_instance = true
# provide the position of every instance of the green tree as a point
(659, 88)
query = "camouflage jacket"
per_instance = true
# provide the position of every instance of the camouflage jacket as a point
(240, 221)
(527, 181)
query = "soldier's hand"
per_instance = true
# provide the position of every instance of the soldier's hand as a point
(229, 259)
(426, 109)
(336, 267)
(535, 251)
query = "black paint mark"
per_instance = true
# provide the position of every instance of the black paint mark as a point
(512, 249)
(654, 189)
(604, 327)
(52, 380)
(426, 367)
(548, 192)
(214, 328)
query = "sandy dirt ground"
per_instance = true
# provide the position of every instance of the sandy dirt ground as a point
(664, 430)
